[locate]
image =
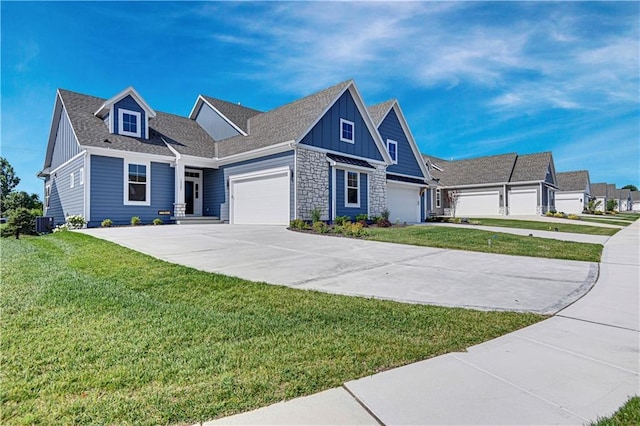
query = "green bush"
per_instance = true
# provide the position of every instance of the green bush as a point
(341, 220)
(157, 221)
(320, 227)
(5, 231)
(549, 213)
(385, 214)
(76, 221)
(135, 221)
(363, 217)
(573, 217)
(383, 223)
(315, 215)
(106, 223)
(351, 229)
(298, 224)
(598, 212)
(559, 214)
(21, 221)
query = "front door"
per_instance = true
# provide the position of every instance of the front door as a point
(193, 192)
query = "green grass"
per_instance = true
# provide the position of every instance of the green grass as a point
(93, 333)
(548, 226)
(606, 221)
(629, 216)
(627, 415)
(477, 240)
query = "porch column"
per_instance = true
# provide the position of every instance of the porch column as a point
(179, 206)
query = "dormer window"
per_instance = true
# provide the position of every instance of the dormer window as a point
(347, 131)
(392, 149)
(129, 123)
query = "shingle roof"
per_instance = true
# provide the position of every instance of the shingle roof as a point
(599, 189)
(635, 195)
(480, 170)
(573, 181)
(286, 123)
(237, 113)
(183, 134)
(531, 167)
(621, 194)
(379, 111)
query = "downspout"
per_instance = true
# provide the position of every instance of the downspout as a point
(505, 208)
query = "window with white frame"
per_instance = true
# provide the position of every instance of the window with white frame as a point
(392, 149)
(47, 195)
(72, 180)
(438, 197)
(129, 123)
(352, 189)
(347, 131)
(81, 177)
(137, 187)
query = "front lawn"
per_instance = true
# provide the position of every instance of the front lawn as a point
(548, 226)
(627, 415)
(94, 333)
(606, 221)
(488, 242)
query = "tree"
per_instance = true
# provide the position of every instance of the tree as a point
(611, 205)
(453, 201)
(593, 205)
(630, 187)
(21, 221)
(8, 180)
(15, 200)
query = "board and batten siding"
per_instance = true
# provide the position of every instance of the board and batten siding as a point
(212, 123)
(390, 128)
(326, 133)
(128, 103)
(107, 192)
(66, 145)
(248, 166)
(352, 212)
(63, 200)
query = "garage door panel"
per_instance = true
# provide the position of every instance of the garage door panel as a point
(403, 203)
(477, 204)
(523, 202)
(260, 200)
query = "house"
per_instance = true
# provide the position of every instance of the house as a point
(635, 201)
(623, 199)
(574, 192)
(408, 192)
(599, 192)
(118, 158)
(507, 184)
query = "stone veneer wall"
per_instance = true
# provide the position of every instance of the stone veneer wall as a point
(312, 183)
(378, 191)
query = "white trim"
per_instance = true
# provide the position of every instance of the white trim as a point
(126, 92)
(417, 185)
(342, 154)
(87, 187)
(333, 192)
(107, 152)
(258, 153)
(352, 167)
(368, 197)
(408, 176)
(395, 143)
(411, 139)
(295, 184)
(198, 203)
(121, 131)
(75, 157)
(419, 195)
(346, 189)
(147, 201)
(81, 176)
(353, 131)
(47, 194)
(72, 180)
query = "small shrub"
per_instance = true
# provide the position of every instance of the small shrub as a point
(341, 220)
(135, 221)
(559, 214)
(157, 221)
(573, 217)
(76, 221)
(549, 213)
(6, 231)
(363, 217)
(351, 229)
(61, 228)
(383, 223)
(385, 214)
(107, 223)
(315, 215)
(598, 212)
(320, 227)
(454, 220)
(298, 224)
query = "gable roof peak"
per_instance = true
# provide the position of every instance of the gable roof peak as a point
(129, 91)
(378, 112)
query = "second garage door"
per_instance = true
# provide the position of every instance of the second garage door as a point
(260, 198)
(477, 204)
(403, 203)
(523, 202)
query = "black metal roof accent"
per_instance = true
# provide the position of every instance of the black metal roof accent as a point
(350, 161)
(406, 179)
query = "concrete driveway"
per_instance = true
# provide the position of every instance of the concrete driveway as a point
(404, 273)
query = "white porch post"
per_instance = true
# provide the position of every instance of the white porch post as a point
(179, 206)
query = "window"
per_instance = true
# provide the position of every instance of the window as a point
(352, 185)
(438, 197)
(137, 184)
(346, 130)
(72, 180)
(129, 123)
(392, 148)
(81, 175)
(47, 195)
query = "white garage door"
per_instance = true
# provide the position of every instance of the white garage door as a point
(403, 203)
(569, 203)
(260, 198)
(477, 204)
(524, 202)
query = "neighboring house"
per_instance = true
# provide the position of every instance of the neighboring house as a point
(623, 199)
(574, 192)
(599, 193)
(407, 189)
(119, 158)
(508, 184)
(635, 201)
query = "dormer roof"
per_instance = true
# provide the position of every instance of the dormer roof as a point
(129, 91)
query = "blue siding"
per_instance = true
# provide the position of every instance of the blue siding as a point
(217, 127)
(213, 192)
(64, 200)
(326, 133)
(66, 145)
(107, 197)
(423, 204)
(130, 104)
(264, 163)
(352, 212)
(390, 128)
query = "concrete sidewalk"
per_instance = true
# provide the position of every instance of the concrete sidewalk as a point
(581, 364)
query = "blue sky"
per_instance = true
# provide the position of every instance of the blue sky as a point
(473, 79)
